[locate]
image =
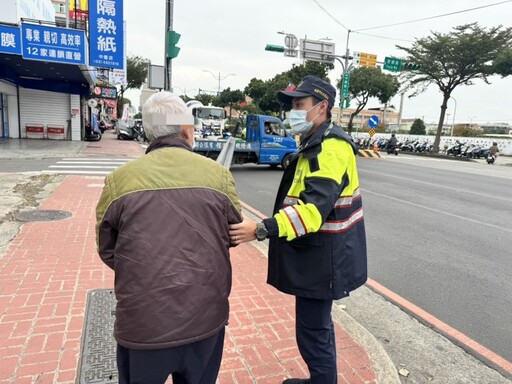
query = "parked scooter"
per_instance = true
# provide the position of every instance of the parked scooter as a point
(103, 127)
(131, 133)
(92, 134)
(455, 149)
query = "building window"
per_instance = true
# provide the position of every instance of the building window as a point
(59, 8)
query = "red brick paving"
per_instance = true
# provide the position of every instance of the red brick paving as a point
(49, 267)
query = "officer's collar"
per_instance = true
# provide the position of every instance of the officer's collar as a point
(317, 137)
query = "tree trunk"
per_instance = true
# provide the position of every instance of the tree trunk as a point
(120, 97)
(441, 122)
(350, 123)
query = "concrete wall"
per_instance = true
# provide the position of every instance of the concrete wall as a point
(504, 145)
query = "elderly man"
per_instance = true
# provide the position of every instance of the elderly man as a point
(317, 247)
(163, 227)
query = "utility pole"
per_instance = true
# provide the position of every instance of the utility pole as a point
(400, 110)
(346, 70)
(169, 13)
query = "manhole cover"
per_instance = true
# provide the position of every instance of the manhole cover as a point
(98, 359)
(43, 215)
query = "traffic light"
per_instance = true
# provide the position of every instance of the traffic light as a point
(407, 66)
(274, 48)
(172, 39)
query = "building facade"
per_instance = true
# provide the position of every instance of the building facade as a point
(45, 77)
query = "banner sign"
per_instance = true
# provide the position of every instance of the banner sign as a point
(106, 34)
(10, 40)
(105, 92)
(46, 43)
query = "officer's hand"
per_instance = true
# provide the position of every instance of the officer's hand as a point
(242, 232)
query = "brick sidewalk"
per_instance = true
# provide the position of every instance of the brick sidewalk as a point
(49, 267)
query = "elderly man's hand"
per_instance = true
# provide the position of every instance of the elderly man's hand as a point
(242, 232)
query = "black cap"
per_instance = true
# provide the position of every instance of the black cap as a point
(310, 86)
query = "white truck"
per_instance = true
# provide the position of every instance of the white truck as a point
(208, 120)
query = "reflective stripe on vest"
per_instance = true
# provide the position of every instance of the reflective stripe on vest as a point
(339, 226)
(295, 220)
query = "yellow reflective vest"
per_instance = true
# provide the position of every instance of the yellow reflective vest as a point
(317, 237)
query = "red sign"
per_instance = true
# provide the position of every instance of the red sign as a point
(80, 15)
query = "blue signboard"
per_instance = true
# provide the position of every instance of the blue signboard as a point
(106, 34)
(46, 43)
(10, 40)
(373, 121)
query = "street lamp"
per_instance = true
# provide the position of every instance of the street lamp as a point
(454, 111)
(219, 77)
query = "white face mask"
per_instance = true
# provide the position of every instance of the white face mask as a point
(298, 120)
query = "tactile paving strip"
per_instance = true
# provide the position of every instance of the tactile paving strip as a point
(98, 359)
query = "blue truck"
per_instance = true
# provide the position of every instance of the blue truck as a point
(264, 141)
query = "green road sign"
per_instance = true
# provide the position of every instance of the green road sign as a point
(274, 48)
(171, 39)
(344, 85)
(392, 64)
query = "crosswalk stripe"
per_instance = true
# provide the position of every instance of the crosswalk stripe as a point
(78, 172)
(84, 166)
(87, 165)
(90, 162)
(97, 159)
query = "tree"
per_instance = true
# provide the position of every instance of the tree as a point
(136, 74)
(418, 127)
(465, 131)
(366, 82)
(503, 62)
(229, 98)
(264, 93)
(205, 98)
(467, 53)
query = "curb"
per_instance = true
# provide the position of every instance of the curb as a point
(382, 364)
(384, 368)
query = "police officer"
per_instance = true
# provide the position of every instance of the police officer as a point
(317, 247)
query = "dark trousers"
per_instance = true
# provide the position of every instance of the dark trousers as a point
(315, 339)
(196, 363)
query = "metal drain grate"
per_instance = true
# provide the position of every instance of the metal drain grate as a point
(43, 215)
(98, 359)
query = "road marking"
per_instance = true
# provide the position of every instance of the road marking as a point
(474, 221)
(91, 162)
(67, 172)
(87, 165)
(436, 185)
(98, 159)
(84, 166)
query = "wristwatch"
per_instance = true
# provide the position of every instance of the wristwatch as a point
(261, 232)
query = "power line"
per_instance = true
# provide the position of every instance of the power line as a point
(331, 16)
(407, 22)
(433, 17)
(383, 37)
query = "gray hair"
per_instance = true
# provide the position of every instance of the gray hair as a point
(162, 103)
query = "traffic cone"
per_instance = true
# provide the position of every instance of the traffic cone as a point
(375, 148)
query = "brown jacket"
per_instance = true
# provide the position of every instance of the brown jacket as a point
(162, 226)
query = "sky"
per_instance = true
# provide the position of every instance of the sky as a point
(228, 37)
